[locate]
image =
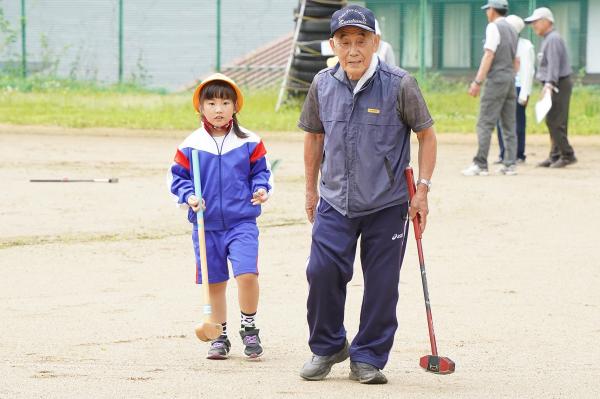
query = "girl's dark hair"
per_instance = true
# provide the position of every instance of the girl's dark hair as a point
(223, 91)
(502, 12)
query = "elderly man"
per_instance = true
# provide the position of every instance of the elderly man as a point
(358, 116)
(554, 71)
(499, 98)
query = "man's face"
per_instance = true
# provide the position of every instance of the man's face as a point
(354, 48)
(541, 26)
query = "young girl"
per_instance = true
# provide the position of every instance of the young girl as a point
(236, 178)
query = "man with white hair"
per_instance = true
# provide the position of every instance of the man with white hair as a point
(358, 117)
(554, 71)
(385, 52)
(523, 82)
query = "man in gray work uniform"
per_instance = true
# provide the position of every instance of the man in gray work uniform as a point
(554, 71)
(499, 99)
(358, 117)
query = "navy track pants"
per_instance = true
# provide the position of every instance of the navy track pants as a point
(383, 242)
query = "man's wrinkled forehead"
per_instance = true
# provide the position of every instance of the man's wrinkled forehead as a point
(350, 31)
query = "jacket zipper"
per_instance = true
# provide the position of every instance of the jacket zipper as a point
(346, 160)
(219, 150)
(348, 127)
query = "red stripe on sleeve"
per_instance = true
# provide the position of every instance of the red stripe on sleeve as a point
(180, 159)
(258, 152)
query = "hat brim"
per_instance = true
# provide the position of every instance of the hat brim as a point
(240, 96)
(531, 19)
(363, 27)
(485, 7)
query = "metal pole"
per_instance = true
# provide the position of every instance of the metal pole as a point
(423, 22)
(120, 41)
(23, 41)
(218, 66)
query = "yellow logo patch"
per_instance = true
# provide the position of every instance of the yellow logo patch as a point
(373, 110)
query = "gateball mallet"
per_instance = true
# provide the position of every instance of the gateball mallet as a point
(207, 330)
(68, 180)
(432, 363)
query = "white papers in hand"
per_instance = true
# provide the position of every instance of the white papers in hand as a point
(543, 106)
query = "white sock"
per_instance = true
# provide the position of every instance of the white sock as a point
(248, 321)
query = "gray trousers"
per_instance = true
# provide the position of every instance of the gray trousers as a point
(557, 121)
(498, 104)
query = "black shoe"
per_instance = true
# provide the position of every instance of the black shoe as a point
(546, 163)
(318, 367)
(366, 373)
(561, 163)
(251, 342)
(219, 349)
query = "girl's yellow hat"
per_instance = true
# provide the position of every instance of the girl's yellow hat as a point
(212, 78)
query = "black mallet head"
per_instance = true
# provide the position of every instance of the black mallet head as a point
(437, 364)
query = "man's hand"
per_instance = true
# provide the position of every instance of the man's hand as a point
(195, 204)
(523, 102)
(313, 155)
(418, 206)
(260, 196)
(548, 88)
(484, 68)
(312, 197)
(474, 89)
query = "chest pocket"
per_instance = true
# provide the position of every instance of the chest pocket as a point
(387, 116)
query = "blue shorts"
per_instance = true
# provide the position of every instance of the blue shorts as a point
(238, 244)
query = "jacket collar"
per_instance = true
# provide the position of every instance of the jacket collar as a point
(340, 74)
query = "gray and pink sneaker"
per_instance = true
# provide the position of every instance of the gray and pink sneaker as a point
(252, 343)
(219, 349)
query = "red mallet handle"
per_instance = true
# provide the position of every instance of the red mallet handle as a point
(412, 189)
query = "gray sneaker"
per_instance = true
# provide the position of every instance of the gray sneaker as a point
(252, 342)
(510, 170)
(366, 373)
(219, 349)
(474, 170)
(318, 367)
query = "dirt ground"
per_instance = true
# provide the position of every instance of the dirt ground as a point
(98, 297)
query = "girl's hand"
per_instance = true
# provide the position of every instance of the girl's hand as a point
(195, 204)
(260, 196)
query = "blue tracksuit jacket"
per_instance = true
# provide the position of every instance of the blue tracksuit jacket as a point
(229, 174)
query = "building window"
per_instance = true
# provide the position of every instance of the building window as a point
(567, 16)
(411, 25)
(456, 36)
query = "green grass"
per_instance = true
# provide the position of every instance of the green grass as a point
(454, 111)
(55, 102)
(71, 104)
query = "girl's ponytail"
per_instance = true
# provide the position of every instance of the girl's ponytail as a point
(236, 128)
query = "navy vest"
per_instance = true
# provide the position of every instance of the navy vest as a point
(367, 146)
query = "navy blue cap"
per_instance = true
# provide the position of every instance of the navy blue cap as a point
(353, 16)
